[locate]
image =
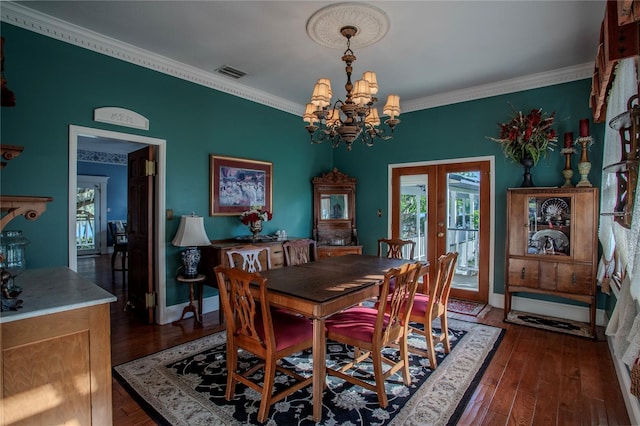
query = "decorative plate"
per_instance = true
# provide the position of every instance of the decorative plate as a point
(551, 241)
(554, 208)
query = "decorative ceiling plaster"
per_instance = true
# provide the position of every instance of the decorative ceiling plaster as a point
(324, 26)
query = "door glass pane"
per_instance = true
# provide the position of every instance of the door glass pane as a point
(85, 219)
(463, 205)
(413, 212)
(549, 226)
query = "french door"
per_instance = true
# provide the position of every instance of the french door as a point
(443, 208)
(91, 192)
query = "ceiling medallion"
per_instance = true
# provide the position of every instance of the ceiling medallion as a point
(325, 25)
(356, 117)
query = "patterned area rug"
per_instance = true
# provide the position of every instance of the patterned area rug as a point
(185, 385)
(468, 308)
(550, 323)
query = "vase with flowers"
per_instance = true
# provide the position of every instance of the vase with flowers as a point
(526, 138)
(253, 219)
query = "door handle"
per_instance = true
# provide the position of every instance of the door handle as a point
(440, 234)
(522, 273)
(573, 278)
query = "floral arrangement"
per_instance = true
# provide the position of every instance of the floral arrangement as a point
(527, 136)
(254, 215)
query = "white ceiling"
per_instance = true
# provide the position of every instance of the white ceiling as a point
(433, 48)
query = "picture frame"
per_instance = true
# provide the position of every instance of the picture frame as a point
(237, 184)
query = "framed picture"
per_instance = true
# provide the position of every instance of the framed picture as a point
(237, 184)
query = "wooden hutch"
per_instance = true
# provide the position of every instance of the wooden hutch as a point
(334, 214)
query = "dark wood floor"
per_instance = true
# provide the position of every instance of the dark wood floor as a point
(535, 378)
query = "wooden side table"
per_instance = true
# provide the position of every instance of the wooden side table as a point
(197, 310)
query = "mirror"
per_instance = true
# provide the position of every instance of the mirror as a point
(334, 206)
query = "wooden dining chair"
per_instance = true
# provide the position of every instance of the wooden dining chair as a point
(298, 252)
(250, 258)
(394, 248)
(427, 307)
(269, 334)
(372, 329)
(118, 232)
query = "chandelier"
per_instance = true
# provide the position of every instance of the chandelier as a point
(356, 116)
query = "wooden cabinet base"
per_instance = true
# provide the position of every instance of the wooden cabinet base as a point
(56, 369)
(333, 251)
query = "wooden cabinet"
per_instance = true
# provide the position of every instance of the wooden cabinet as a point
(334, 213)
(55, 361)
(333, 251)
(552, 244)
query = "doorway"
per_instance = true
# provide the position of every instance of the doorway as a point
(443, 207)
(159, 240)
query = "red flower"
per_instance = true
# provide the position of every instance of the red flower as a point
(255, 215)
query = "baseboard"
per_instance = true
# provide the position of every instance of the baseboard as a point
(551, 309)
(624, 378)
(174, 312)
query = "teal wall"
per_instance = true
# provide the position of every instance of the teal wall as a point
(57, 84)
(459, 131)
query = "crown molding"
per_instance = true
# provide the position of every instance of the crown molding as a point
(533, 81)
(32, 20)
(23, 17)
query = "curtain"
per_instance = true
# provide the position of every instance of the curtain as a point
(624, 326)
(624, 86)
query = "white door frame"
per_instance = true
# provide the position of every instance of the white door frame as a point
(494, 300)
(159, 231)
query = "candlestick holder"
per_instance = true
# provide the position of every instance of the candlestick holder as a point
(568, 171)
(584, 166)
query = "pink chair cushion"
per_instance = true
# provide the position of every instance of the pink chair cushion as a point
(420, 303)
(357, 323)
(289, 329)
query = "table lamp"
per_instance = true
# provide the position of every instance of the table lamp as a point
(190, 235)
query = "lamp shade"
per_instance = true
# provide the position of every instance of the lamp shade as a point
(371, 78)
(361, 93)
(392, 108)
(191, 232)
(309, 115)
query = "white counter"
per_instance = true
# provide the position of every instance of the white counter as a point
(52, 290)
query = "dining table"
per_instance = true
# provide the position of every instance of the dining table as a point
(322, 288)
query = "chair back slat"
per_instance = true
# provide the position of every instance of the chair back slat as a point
(243, 304)
(298, 252)
(396, 304)
(394, 248)
(250, 259)
(440, 289)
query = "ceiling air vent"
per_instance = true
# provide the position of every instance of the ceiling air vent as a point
(231, 72)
